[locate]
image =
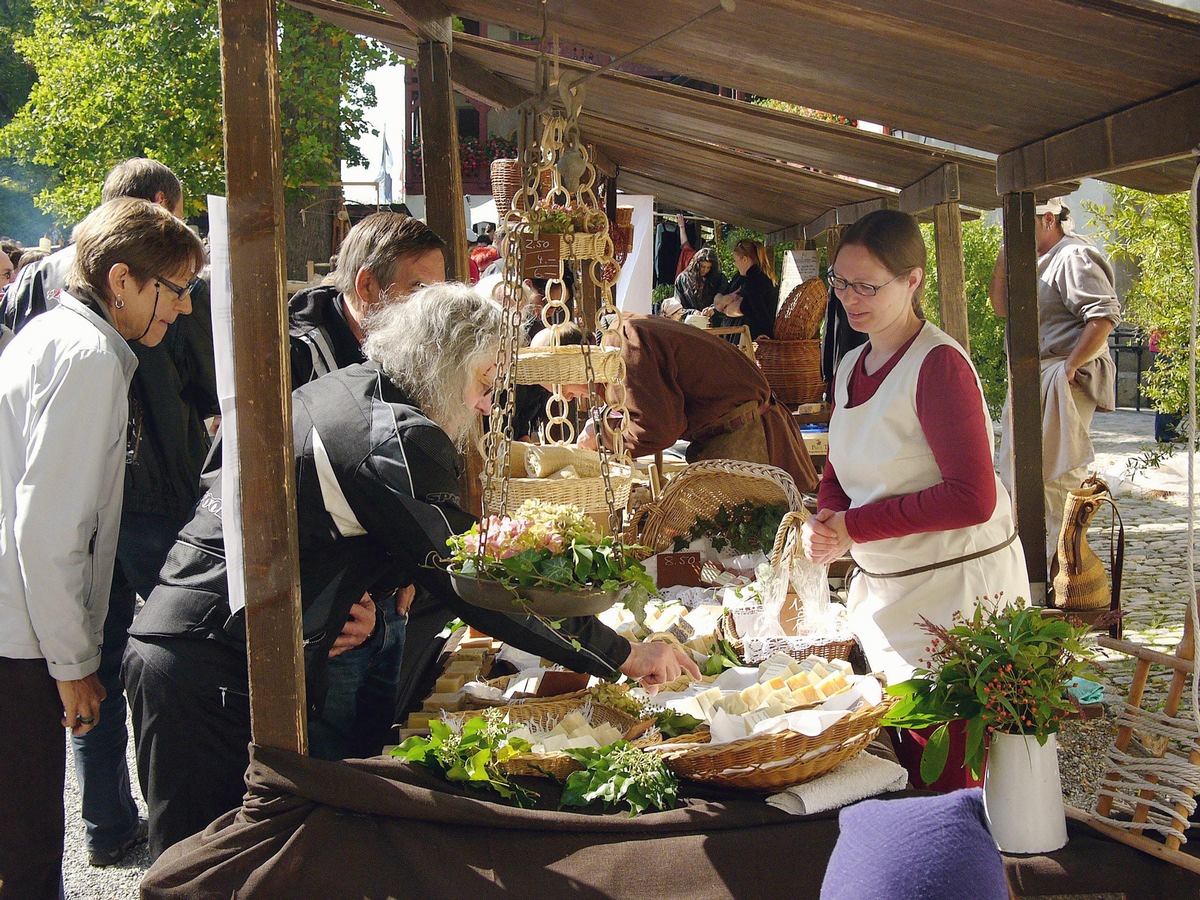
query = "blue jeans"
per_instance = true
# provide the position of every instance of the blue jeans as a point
(110, 814)
(360, 705)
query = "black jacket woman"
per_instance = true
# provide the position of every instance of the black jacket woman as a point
(754, 295)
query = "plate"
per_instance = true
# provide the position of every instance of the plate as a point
(542, 601)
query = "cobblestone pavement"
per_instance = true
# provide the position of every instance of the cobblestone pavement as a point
(1154, 594)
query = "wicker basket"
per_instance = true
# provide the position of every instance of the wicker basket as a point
(799, 317)
(792, 368)
(772, 762)
(506, 183)
(699, 491)
(566, 365)
(787, 545)
(585, 493)
(547, 714)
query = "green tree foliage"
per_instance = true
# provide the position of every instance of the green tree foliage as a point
(981, 244)
(122, 78)
(1152, 232)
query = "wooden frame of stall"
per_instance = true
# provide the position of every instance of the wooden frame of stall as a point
(1151, 135)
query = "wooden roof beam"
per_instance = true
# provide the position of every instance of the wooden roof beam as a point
(429, 20)
(839, 215)
(478, 83)
(1158, 131)
(939, 186)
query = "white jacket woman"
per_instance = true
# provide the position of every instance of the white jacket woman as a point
(66, 436)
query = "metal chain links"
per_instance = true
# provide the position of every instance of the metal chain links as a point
(544, 139)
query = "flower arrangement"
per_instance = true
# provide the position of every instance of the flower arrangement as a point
(475, 154)
(552, 545)
(1004, 670)
(565, 218)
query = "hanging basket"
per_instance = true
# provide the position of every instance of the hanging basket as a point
(566, 365)
(506, 183)
(792, 368)
(541, 253)
(538, 600)
(585, 493)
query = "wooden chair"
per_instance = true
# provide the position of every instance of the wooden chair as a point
(744, 343)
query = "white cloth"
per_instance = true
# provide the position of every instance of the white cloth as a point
(64, 385)
(1066, 418)
(856, 779)
(879, 451)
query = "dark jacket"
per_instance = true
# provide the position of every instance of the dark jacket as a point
(321, 338)
(760, 301)
(388, 503)
(692, 298)
(174, 390)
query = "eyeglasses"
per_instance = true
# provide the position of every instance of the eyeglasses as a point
(179, 291)
(861, 288)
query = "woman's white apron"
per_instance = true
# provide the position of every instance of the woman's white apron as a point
(879, 451)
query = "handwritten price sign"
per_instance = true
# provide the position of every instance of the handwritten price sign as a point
(540, 255)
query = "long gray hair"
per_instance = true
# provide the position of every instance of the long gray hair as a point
(431, 345)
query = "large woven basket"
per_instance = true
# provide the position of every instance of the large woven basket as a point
(699, 491)
(792, 368)
(787, 545)
(772, 762)
(566, 365)
(799, 317)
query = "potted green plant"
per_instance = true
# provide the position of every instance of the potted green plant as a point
(1005, 673)
(549, 558)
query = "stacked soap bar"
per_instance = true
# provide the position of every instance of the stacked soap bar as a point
(466, 664)
(783, 684)
(573, 732)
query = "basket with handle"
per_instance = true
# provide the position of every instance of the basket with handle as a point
(772, 762)
(699, 491)
(787, 545)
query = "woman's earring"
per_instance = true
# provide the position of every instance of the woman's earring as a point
(120, 303)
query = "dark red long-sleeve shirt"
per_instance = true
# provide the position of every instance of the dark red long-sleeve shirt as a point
(960, 436)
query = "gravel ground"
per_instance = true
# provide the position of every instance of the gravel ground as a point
(1154, 598)
(83, 882)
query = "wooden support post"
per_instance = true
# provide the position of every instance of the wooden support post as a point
(440, 166)
(610, 198)
(1025, 385)
(254, 173)
(952, 283)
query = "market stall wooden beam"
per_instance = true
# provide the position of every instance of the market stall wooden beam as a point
(1025, 385)
(254, 174)
(441, 169)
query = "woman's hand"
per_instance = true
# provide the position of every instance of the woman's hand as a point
(587, 436)
(81, 703)
(358, 627)
(709, 311)
(657, 663)
(824, 537)
(724, 301)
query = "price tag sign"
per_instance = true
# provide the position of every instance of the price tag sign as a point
(679, 569)
(540, 255)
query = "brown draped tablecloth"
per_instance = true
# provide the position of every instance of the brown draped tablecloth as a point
(381, 828)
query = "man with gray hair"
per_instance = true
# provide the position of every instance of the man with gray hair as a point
(1077, 310)
(384, 257)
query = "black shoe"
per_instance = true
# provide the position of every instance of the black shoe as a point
(102, 858)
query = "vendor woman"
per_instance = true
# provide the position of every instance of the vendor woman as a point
(908, 488)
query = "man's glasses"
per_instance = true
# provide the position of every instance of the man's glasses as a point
(179, 291)
(861, 288)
